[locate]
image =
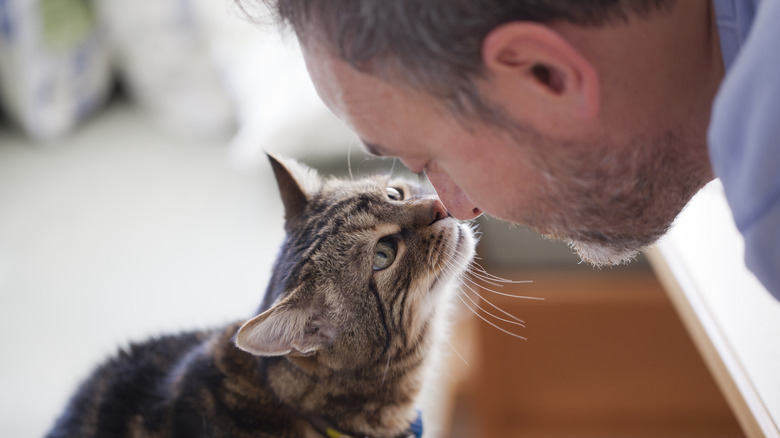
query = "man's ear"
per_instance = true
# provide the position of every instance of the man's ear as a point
(290, 326)
(532, 66)
(297, 184)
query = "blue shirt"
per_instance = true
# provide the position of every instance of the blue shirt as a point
(744, 130)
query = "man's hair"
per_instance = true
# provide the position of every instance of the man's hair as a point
(435, 45)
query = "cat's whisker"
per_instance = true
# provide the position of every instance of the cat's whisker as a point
(493, 305)
(493, 279)
(485, 280)
(517, 321)
(489, 322)
(504, 294)
(447, 264)
(460, 257)
(484, 273)
(349, 158)
(463, 284)
(471, 280)
(495, 282)
(476, 266)
(455, 350)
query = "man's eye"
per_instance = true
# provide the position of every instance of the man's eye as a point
(395, 194)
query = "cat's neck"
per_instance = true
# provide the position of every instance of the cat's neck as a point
(376, 402)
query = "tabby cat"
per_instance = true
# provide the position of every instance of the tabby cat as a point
(340, 344)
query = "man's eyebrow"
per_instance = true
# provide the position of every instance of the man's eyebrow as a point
(372, 148)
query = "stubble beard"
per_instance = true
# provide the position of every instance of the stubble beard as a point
(610, 203)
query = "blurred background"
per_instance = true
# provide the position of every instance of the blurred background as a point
(135, 200)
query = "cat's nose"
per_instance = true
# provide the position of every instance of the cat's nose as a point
(438, 212)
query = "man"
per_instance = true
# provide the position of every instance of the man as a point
(586, 120)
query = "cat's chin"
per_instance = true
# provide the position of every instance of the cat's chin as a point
(460, 252)
(466, 245)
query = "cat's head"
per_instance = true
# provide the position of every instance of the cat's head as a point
(361, 272)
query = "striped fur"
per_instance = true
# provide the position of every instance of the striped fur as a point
(336, 338)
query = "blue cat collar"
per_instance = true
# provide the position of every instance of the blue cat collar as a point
(415, 430)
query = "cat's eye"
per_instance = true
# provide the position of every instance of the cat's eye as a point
(394, 194)
(384, 253)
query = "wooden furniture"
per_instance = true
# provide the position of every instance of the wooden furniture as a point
(606, 355)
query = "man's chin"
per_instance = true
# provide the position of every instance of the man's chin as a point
(600, 255)
(601, 249)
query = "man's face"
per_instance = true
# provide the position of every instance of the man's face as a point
(606, 200)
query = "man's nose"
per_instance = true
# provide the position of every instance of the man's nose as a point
(455, 200)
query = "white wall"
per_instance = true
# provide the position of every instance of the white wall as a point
(114, 234)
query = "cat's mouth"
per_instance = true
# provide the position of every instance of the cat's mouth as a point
(456, 256)
(464, 246)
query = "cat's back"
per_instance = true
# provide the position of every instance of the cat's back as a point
(132, 383)
(195, 384)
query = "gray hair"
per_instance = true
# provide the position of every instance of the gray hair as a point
(435, 45)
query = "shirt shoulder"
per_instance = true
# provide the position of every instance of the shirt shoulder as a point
(744, 141)
(734, 19)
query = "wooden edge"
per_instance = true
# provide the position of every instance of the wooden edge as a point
(721, 360)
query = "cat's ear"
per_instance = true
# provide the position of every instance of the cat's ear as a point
(297, 184)
(287, 327)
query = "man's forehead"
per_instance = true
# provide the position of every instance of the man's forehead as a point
(329, 75)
